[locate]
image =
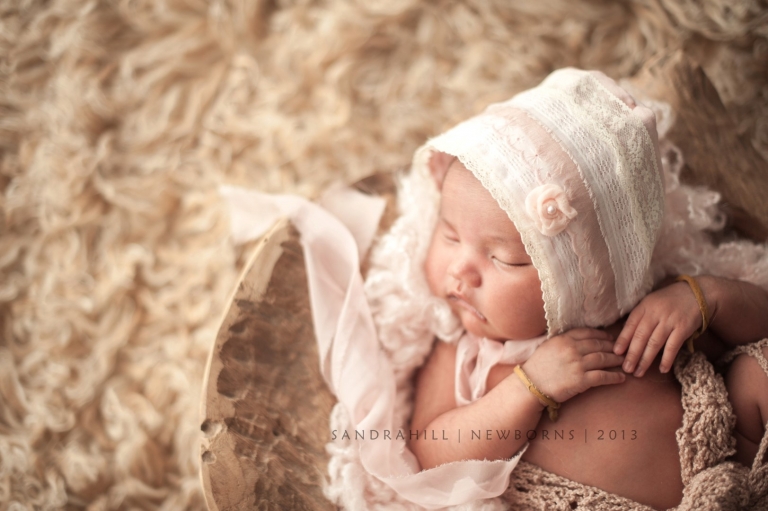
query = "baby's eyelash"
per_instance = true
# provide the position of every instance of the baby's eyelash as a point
(448, 233)
(496, 259)
(450, 237)
(507, 265)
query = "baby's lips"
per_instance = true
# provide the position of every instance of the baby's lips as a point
(464, 303)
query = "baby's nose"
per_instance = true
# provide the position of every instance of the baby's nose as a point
(463, 270)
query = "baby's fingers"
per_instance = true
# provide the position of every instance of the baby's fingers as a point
(640, 337)
(595, 345)
(657, 340)
(601, 360)
(628, 332)
(597, 378)
(674, 343)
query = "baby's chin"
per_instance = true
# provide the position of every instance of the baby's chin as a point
(476, 326)
(479, 328)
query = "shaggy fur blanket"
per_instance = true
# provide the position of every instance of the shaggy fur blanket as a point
(119, 118)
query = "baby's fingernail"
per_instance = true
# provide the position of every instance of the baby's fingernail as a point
(638, 373)
(627, 366)
(663, 369)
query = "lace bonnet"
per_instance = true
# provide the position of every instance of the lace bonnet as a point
(575, 164)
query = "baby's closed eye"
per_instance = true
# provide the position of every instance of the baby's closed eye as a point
(450, 236)
(508, 262)
(447, 231)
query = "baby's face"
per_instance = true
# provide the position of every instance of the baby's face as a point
(477, 262)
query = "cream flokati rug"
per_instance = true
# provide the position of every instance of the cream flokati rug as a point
(118, 119)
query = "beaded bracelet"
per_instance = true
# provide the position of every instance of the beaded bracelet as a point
(551, 404)
(699, 294)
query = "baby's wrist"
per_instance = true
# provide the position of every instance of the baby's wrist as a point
(711, 288)
(532, 401)
(706, 290)
(524, 384)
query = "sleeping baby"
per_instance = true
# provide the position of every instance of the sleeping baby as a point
(525, 235)
(551, 205)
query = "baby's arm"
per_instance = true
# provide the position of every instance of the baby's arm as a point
(507, 406)
(747, 385)
(668, 316)
(562, 367)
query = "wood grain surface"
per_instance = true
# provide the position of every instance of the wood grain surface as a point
(716, 154)
(267, 407)
(265, 411)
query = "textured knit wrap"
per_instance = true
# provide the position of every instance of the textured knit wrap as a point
(575, 165)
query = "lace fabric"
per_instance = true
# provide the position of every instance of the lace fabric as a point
(582, 132)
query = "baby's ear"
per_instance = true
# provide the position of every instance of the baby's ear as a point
(438, 167)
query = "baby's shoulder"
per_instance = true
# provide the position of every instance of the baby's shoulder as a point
(438, 370)
(434, 393)
(443, 355)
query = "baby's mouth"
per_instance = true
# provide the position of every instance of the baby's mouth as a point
(462, 302)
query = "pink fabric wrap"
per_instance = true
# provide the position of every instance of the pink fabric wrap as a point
(475, 357)
(352, 362)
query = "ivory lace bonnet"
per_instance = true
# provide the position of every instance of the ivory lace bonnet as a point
(575, 164)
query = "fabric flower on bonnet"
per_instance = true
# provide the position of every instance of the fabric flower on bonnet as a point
(549, 209)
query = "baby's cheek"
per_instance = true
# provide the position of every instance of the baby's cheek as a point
(434, 269)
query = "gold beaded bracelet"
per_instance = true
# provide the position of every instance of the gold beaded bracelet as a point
(699, 294)
(552, 405)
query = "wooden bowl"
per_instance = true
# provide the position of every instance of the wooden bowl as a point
(265, 410)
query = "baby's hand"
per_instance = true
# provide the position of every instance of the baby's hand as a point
(570, 363)
(666, 317)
